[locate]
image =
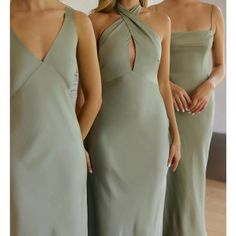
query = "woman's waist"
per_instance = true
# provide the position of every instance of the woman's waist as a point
(130, 114)
(188, 80)
(133, 105)
(147, 73)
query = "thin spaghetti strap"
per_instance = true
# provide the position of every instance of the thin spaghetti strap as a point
(69, 11)
(212, 7)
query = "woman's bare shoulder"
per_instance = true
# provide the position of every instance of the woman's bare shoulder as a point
(156, 17)
(102, 20)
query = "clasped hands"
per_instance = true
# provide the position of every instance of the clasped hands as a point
(194, 103)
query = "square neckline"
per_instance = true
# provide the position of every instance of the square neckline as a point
(192, 31)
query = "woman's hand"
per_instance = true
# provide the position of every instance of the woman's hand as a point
(174, 155)
(201, 96)
(181, 99)
(88, 161)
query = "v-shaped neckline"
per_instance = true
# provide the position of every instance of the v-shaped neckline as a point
(54, 41)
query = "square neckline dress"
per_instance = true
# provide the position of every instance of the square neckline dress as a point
(48, 167)
(185, 197)
(129, 140)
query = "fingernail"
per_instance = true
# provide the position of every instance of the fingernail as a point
(183, 110)
(193, 114)
(187, 109)
(178, 110)
(169, 165)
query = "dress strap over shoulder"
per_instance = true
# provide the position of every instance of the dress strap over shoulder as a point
(70, 12)
(212, 8)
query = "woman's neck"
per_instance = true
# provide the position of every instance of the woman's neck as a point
(34, 5)
(129, 4)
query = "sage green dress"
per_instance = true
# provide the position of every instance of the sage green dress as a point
(48, 168)
(189, 67)
(129, 141)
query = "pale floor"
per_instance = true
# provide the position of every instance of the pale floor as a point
(216, 208)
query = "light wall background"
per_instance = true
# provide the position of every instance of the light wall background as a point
(220, 115)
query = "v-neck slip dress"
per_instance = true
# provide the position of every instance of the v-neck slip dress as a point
(189, 67)
(129, 141)
(48, 168)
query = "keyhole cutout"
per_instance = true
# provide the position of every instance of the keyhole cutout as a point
(132, 53)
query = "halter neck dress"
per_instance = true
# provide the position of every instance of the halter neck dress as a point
(129, 141)
(189, 67)
(48, 169)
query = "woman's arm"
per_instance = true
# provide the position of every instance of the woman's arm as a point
(218, 52)
(202, 94)
(180, 97)
(164, 85)
(89, 92)
(97, 23)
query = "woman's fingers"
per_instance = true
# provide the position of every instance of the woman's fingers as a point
(176, 105)
(203, 107)
(179, 103)
(194, 104)
(188, 99)
(170, 159)
(171, 155)
(181, 98)
(89, 165)
(173, 160)
(198, 107)
(175, 164)
(184, 103)
(194, 110)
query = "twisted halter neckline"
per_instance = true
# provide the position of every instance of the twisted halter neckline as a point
(134, 10)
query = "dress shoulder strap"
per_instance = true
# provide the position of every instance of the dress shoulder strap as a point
(212, 8)
(70, 12)
(70, 18)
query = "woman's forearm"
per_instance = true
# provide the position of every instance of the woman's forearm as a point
(79, 101)
(87, 114)
(217, 75)
(168, 101)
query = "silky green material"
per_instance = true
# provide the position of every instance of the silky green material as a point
(128, 143)
(48, 169)
(189, 67)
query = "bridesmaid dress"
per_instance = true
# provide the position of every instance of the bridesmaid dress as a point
(189, 67)
(48, 168)
(129, 141)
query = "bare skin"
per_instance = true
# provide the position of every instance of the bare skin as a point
(101, 21)
(196, 16)
(28, 21)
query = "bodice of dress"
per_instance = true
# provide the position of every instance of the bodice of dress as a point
(114, 43)
(190, 57)
(41, 104)
(61, 58)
